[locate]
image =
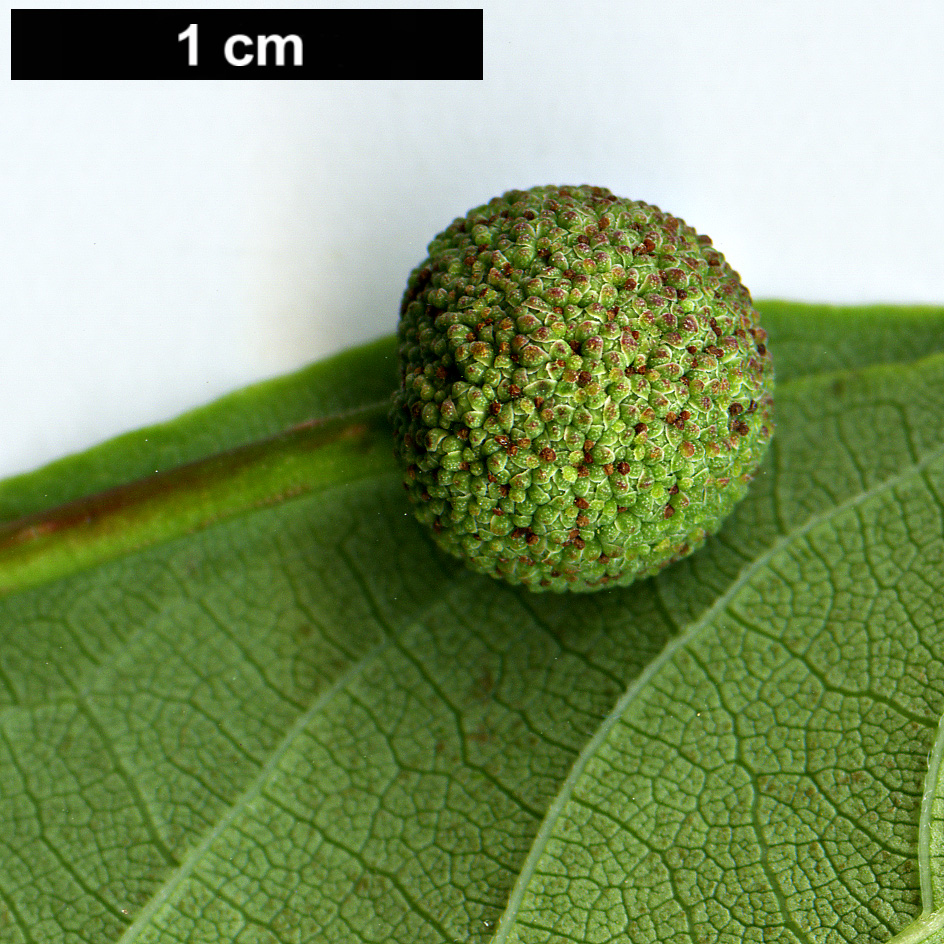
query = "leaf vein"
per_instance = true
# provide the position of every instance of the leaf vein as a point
(638, 686)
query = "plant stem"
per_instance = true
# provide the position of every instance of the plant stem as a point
(87, 531)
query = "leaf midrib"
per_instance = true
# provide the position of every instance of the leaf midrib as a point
(156, 509)
(37, 549)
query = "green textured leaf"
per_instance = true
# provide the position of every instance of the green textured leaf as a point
(247, 701)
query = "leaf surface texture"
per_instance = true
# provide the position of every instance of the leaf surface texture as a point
(306, 725)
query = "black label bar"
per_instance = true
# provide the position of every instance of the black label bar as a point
(246, 44)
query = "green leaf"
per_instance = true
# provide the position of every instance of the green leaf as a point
(293, 720)
(928, 927)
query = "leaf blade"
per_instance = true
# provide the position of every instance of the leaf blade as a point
(666, 743)
(344, 735)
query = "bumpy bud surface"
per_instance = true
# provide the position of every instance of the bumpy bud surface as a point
(585, 389)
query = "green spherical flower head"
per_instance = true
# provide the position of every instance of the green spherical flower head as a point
(585, 389)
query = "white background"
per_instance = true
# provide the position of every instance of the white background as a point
(163, 243)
